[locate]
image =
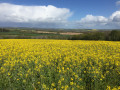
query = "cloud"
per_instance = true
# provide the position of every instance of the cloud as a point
(114, 20)
(20, 13)
(118, 3)
(12, 15)
(115, 17)
(91, 21)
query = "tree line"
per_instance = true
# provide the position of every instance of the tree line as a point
(4, 30)
(114, 35)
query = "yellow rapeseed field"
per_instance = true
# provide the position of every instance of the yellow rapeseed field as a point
(35, 64)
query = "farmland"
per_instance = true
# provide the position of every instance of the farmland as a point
(27, 33)
(43, 64)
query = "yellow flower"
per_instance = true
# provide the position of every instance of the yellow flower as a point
(66, 86)
(53, 84)
(71, 83)
(76, 76)
(24, 81)
(8, 74)
(61, 58)
(62, 79)
(54, 88)
(78, 86)
(80, 79)
(119, 88)
(115, 89)
(108, 88)
(72, 79)
(62, 68)
(38, 82)
(62, 87)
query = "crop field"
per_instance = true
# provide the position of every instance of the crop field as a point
(39, 64)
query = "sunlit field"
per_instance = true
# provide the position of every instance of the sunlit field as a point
(34, 64)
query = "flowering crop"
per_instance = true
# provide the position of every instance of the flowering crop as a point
(35, 64)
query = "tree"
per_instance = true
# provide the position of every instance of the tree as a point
(114, 35)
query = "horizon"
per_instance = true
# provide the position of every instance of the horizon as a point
(104, 14)
(38, 28)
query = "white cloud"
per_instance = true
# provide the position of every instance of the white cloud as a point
(114, 20)
(20, 13)
(115, 17)
(51, 17)
(118, 3)
(92, 21)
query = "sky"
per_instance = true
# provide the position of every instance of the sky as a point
(70, 14)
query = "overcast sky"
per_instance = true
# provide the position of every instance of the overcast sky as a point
(88, 14)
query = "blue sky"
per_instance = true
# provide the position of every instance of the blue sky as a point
(78, 13)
